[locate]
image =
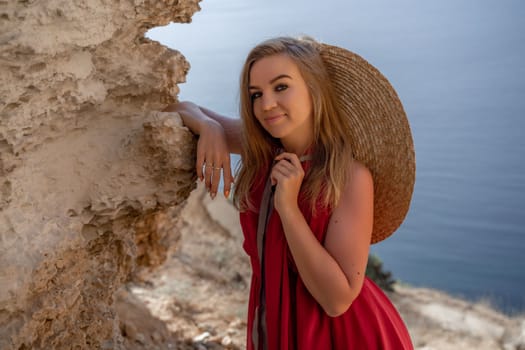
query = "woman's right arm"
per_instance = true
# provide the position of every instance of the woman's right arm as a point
(218, 137)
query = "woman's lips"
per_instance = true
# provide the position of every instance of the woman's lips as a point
(273, 118)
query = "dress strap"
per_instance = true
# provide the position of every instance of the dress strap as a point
(265, 211)
(305, 157)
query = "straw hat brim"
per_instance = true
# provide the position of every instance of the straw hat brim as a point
(381, 136)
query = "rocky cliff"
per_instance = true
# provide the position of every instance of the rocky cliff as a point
(91, 179)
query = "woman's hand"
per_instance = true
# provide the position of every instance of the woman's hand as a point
(218, 136)
(213, 157)
(287, 175)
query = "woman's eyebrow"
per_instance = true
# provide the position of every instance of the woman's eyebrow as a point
(280, 76)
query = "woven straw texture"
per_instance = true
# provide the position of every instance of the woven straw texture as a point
(381, 136)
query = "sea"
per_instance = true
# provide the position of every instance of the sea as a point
(459, 69)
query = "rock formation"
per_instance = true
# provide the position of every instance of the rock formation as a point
(91, 177)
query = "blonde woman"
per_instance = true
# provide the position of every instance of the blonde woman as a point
(327, 169)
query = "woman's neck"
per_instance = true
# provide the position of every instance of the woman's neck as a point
(299, 147)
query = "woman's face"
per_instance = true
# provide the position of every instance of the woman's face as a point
(281, 101)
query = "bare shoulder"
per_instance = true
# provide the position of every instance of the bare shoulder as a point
(358, 192)
(359, 175)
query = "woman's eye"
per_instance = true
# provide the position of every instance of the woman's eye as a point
(281, 87)
(255, 95)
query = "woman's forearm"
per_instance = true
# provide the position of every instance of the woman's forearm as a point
(320, 272)
(191, 115)
(231, 126)
(196, 117)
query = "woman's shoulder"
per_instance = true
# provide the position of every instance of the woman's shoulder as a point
(359, 183)
(358, 171)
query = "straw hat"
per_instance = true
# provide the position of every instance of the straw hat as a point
(381, 137)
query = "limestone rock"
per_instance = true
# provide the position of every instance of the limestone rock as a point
(91, 179)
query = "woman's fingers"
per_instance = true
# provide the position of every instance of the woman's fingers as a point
(287, 167)
(215, 179)
(213, 158)
(208, 172)
(281, 171)
(212, 171)
(290, 157)
(287, 174)
(228, 178)
(199, 163)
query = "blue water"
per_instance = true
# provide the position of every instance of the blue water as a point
(458, 66)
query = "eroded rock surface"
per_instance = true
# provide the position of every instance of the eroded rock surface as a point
(91, 180)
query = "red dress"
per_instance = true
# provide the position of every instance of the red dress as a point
(294, 319)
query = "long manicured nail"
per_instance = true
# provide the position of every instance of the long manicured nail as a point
(212, 195)
(227, 193)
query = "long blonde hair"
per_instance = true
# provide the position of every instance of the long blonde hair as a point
(331, 152)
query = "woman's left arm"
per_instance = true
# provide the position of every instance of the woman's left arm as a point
(334, 273)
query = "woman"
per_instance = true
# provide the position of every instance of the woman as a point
(327, 169)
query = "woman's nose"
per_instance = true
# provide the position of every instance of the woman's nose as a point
(268, 102)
